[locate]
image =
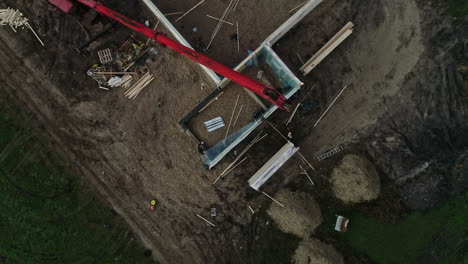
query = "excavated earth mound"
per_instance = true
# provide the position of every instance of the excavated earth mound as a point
(300, 214)
(355, 180)
(314, 251)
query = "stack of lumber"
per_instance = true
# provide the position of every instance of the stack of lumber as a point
(327, 48)
(14, 18)
(139, 85)
(124, 81)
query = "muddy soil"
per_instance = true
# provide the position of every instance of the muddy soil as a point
(402, 100)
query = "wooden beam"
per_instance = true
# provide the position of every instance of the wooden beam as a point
(298, 6)
(238, 114)
(238, 41)
(190, 10)
(204, 219)
(328, 108)
(224, 21)
(232, 116)
(155, 27)
(174, 13)
(273, 199)
(327, 48)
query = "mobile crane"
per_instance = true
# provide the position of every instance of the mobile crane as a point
(258, 88)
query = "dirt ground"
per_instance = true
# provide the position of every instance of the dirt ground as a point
(385, 45)
(133, 151)
(257, 20)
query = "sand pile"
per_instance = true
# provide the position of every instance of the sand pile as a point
(300, 216)
(355, 180)
(316, 252)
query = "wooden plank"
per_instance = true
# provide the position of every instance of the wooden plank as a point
(225, 15)
(238, 114)
(298, 6)
(173, 13)
(273, 199)
(224, 21)
(113, 73)
(238, 41)
(204, 219)
(232, 116)
(190, 10)
(327, 48)
(328, 108)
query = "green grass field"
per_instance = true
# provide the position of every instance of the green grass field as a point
(46, 214)
(457, 8)
(443, 231)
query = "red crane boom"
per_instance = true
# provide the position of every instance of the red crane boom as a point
(258, 88)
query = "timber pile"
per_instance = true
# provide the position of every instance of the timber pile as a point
(136, 89)
(124, 67)
(15, 19)
(327, 48)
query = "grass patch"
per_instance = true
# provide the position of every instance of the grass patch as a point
(46, 214)
(457, 8)
(407, 240)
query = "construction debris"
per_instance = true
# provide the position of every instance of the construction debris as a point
(214, 124)
(105, 56)
(124, 67)
(330, 153)
(15, 19)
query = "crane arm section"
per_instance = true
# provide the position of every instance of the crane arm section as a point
(258, 88)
